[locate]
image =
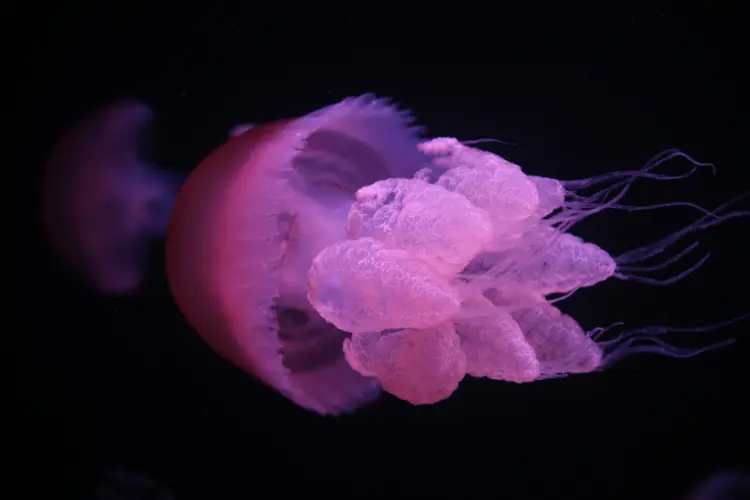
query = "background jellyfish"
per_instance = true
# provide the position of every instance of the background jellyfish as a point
(337, 253)
(102, 204)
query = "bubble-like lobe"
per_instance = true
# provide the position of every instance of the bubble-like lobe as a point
(362, 286)
(547, 261)
(449, 152)
(560, 344)
(495, 346)
(488, 181)
(439, 227)
(551, 194)
(362, 353)
(506, 193)
(419, 366)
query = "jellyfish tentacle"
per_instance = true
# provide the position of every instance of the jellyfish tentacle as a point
(580, 207)
(657, 330)
(646, 340)
(655, 161)
(670, 204)
(661, 265)
(665, 282)
(486, 140)
(642, 253)
(599, 331)
(655, 346)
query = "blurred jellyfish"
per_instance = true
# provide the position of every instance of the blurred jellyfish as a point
(339, 254)
(726, 485)
(102, 204)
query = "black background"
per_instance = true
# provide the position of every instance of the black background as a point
(125, 382)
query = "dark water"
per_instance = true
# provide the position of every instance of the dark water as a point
(109, 383)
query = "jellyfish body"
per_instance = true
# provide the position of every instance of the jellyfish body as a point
(466, 213)
(102, 204)
(338, 253)
(519, 253)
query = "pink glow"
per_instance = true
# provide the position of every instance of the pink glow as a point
(102, 204)
(338, 253)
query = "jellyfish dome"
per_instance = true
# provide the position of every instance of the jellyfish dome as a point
(102, 204)
(247, 224)
(340, 254)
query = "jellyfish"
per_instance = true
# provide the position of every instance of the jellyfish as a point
(342, 254)
(103, 204)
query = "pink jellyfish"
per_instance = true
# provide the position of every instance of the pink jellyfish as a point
(102, 205)
(338, 254)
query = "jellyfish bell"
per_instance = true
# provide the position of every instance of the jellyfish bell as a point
(247, 224)
(102, 204)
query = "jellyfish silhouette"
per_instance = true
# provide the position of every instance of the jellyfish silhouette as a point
(102, 204)
(340, 254)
